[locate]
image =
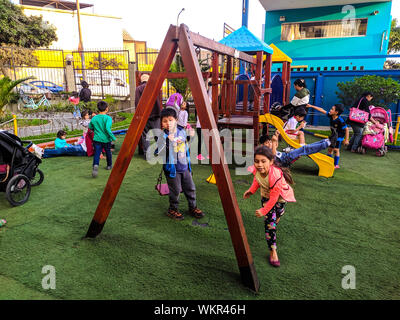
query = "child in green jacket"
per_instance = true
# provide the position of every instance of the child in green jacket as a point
(101, 125)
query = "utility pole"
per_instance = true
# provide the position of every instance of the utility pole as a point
(245, 13)
(80, 45)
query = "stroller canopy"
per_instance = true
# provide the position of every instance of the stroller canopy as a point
(380, 114)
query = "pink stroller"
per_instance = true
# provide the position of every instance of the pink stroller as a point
(375, 136)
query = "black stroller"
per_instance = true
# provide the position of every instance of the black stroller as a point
(18, 169)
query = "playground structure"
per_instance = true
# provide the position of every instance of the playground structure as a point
(208, 112)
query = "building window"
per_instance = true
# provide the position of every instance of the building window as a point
(324, 29)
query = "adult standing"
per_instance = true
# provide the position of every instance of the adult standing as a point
(85, 94)
(154, 119)
(362, 103)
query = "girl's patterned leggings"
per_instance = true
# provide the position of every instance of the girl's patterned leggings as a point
(270, 222)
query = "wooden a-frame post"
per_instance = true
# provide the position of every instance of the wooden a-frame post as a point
(207, 121)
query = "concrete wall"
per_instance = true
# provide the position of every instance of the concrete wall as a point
(98, 31)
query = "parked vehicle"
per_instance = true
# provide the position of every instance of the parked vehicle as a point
(55, 88)
(31, 89)
(105, 83)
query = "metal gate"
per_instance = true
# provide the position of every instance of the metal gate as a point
(106, 72)
(45, 66)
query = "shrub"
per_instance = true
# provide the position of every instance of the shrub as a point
(385, 90)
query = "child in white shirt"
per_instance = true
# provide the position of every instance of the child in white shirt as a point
(292, 128)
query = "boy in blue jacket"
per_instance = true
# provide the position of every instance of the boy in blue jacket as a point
(176, 166)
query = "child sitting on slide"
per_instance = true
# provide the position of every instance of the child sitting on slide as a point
(293, 128)
(62, 148)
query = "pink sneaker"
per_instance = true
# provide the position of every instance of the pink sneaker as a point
(337, 167)
(200, 157)
(208, 157)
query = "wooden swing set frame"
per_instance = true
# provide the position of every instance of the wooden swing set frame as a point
(180, 37)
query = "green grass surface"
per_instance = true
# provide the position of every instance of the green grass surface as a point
(350, 219)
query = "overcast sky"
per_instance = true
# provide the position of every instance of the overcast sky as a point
(148, 20)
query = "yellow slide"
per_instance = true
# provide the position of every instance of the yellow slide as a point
(325, 163)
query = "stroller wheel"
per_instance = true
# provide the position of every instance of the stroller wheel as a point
(18, 190)
(38, 178)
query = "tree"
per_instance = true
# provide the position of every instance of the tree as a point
(394, 41)
(13, 56)
(384, 90)
(19, 34)
(27, 32)
(7, 91)
(391, 64)
(106, 63)
(181, 85)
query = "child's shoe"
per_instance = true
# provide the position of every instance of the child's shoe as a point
(196, 212)
(337, 167)
(109, 168)
(200, 157)
(275, 264)
(95, 171)
(2, 222)
(174, 214)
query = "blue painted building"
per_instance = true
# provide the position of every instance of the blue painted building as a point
(330, 41)
(314, 32)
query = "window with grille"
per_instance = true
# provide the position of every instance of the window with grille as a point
(324, 29)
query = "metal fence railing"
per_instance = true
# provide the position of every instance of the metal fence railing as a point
(106, 72)
(45, 66)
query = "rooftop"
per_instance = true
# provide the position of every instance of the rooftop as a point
(243, 40)
(271, 5)
(63, 5)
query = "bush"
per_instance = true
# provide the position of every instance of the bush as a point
(385, 90)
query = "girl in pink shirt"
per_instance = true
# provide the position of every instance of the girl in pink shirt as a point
(275, 192)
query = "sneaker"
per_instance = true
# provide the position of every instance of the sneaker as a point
(200, 157)
(196, 212)
(109, 168)
(287, 150)
(95, 171)
(174, 214)
(337, 167)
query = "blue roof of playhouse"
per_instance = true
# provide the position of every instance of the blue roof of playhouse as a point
(243, 40)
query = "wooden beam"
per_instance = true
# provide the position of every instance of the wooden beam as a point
(205, 43)
(221, 170)
(267, 81)
(134, 133)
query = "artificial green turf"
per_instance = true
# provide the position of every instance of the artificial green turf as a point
(350, 219)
